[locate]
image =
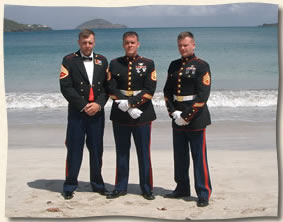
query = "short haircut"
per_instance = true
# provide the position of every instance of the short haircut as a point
(183, 35)
(85, 33)
(130, 33)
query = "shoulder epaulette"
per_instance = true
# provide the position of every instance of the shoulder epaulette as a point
(118, 59)
(99, 56)
(176, 61)
(145, 58)
(200, 60)
(71, 55)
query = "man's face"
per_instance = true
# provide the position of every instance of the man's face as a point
(131, 45)
(86, 45)
(186, 46)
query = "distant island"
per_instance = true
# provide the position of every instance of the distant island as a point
(99, 24)
(269, 25)
(12, 26)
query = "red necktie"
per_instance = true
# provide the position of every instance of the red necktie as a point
(91, 95)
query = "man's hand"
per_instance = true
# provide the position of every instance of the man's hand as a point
(123, 104)
(92, 108)
(135, 113)
(181, 122)
(176, 114)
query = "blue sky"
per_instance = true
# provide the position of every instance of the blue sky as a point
(239, 14)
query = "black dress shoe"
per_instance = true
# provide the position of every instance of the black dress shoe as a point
(103, 192)
(176, 194)
(115, 194)
(148, 196)
(68, 195)
(202, 202)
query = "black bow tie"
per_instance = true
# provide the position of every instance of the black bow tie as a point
(87, 58)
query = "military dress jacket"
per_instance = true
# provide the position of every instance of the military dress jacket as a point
(132, 79)
(75, 85)
(187, 89)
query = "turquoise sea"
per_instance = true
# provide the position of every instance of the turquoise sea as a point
(243, 62)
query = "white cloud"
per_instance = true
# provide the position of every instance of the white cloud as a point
(145, 16)
(186, 10)
(169, 11)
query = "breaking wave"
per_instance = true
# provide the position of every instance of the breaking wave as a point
(219, 98)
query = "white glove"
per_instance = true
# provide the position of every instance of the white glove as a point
(122, 104)
(180, 121)
(176, 114)
(134, 113)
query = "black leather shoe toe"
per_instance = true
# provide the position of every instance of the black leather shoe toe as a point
(175, 194)
(148, 196)
(103, 192)
(68, 195)
(115, 194)
(202, 202)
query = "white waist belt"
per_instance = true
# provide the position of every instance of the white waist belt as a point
(184, 98)
(130, 92)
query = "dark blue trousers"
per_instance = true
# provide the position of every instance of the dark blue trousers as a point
(183, 142)
(141, 135)
(82, 128)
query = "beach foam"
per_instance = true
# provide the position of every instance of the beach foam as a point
(219, 98)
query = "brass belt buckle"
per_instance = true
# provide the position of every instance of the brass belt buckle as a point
(129, 93)
(180, 98)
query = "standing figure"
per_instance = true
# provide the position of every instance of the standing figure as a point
(132, 83)
(186, 93)
(83, 82)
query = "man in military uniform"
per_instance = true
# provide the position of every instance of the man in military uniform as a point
(82, 82)
(132, 83)
(186, 93)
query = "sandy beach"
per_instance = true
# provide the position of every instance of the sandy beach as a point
(242, 155)
(242, 161)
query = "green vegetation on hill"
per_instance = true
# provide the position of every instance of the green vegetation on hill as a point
(12, 26)
(269, 25)
(99, 24)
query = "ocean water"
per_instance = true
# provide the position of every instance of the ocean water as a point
(243, 62)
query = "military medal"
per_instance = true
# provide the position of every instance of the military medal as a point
(98, 62)
(191, 69)
(140, 67)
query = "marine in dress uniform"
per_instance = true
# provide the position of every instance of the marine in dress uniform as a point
(186, 92)
(132, 83)
(82, 82)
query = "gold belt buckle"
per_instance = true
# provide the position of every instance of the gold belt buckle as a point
(129, 93)
(179, 98)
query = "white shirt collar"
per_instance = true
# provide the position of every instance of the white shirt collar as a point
(91, 54)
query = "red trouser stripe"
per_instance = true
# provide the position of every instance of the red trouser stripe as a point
(205, 164)
(116, 176)
(67, 172)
